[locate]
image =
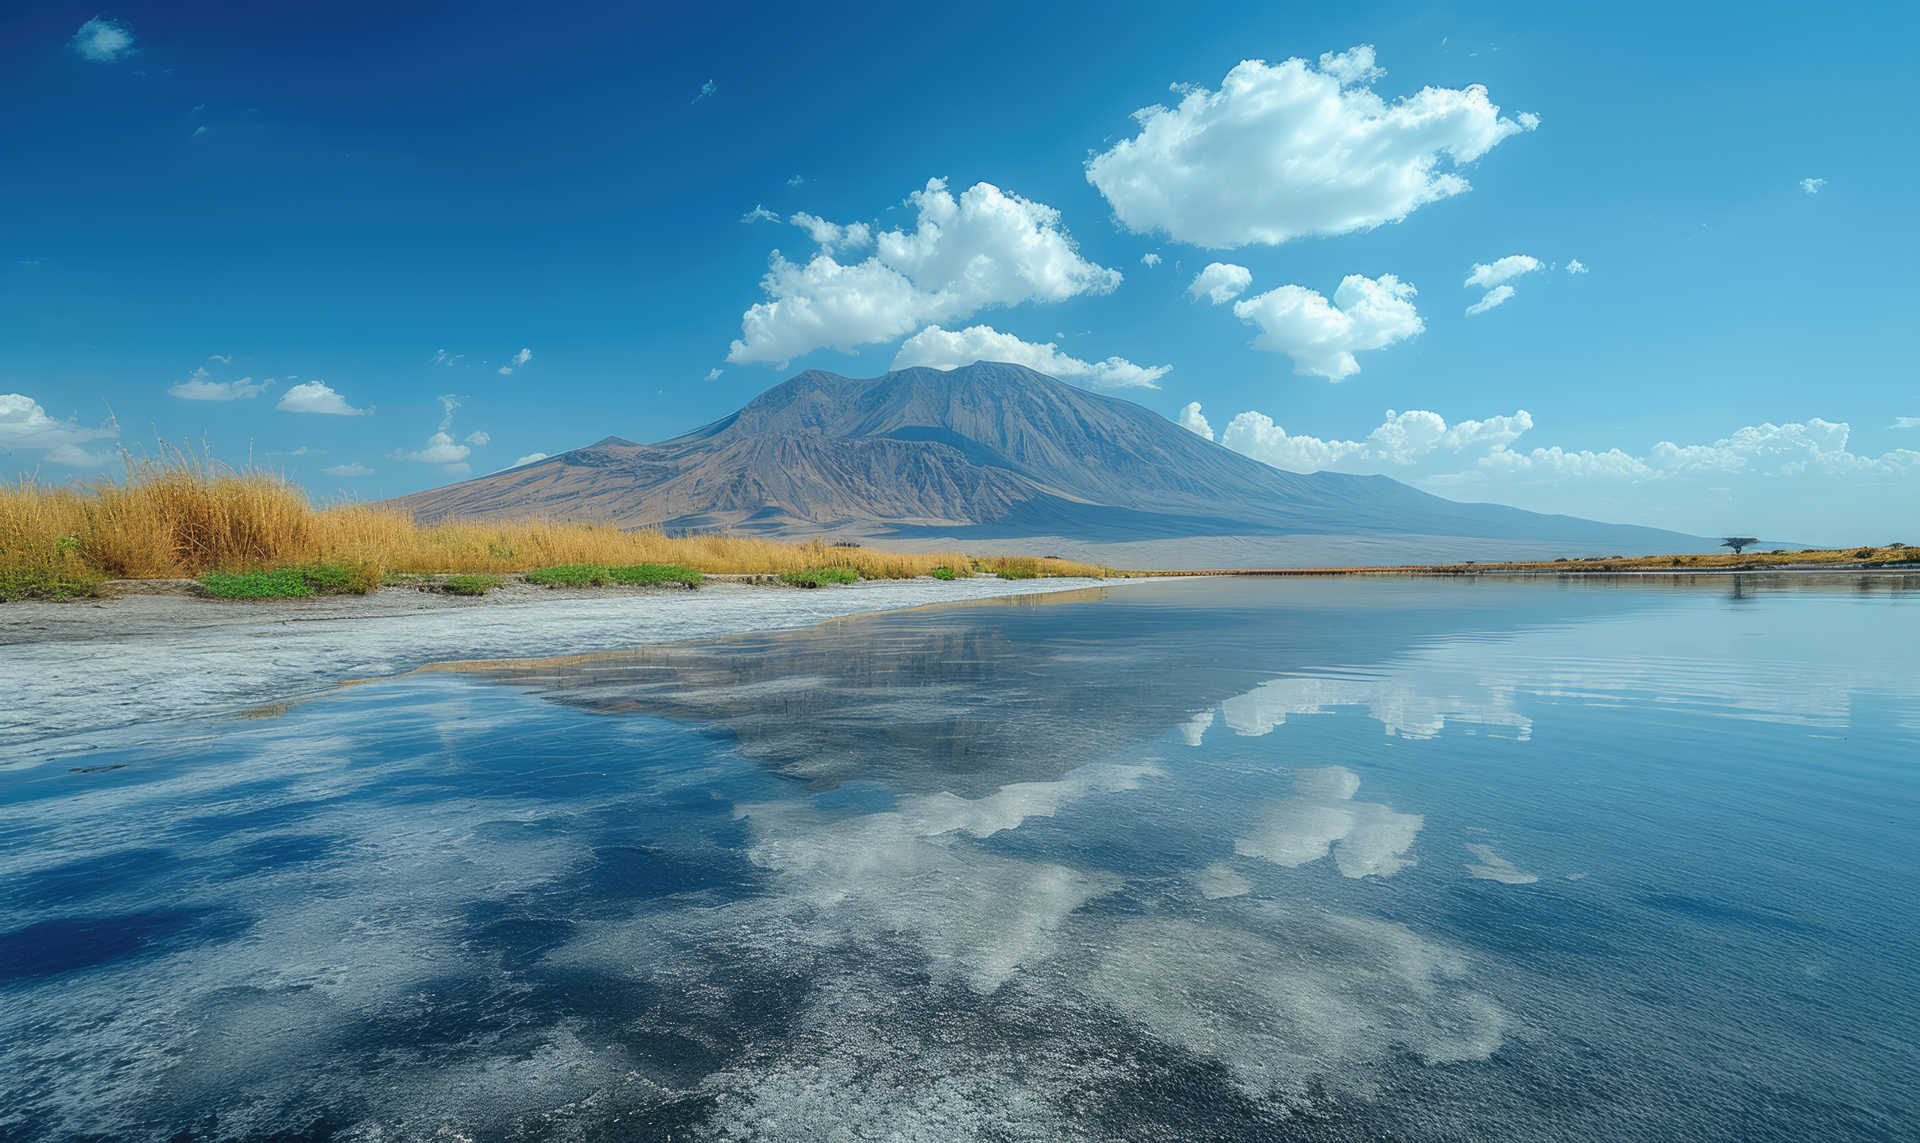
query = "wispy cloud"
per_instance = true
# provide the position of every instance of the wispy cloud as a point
(200, 387)
(759, 213)
(1812, 186)
(952, 348)
(102, 40)
(1493, 277)
(516, 361)
(706, 89)
(1493, 299)
(355, 469)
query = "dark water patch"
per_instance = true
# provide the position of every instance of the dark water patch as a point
(58, 947)
(283, 850)
(1708, 911)
(128, 871)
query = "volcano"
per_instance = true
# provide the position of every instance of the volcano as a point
(994, 455)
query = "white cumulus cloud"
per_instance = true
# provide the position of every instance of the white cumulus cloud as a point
(102, 40)
(1576, 266)
(1193, 421)
(317, 397)
(1150, 260)
(952, 348)
(1291, 150)
(440, 448)
(479, 438)
(1416, 440)
(1803, 474)
(528, 459)
(1221, 282)
(1322, 337)
(832, 236)
(24, 425)
(200, 387)
(1812, 186)
(983, 248)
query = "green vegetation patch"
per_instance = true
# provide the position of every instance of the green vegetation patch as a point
(570, 575)
(944, 573)
(49, 583)
(656, 573)
(598, 575)
(819, 577)
(471, 584)
(290, 583)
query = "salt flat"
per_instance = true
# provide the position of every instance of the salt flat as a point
(70, 668)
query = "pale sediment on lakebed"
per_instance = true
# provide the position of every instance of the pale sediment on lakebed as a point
(68, 669)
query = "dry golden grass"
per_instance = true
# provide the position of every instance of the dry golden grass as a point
(182, 515)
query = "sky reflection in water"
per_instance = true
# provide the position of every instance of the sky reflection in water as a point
(1249, 859)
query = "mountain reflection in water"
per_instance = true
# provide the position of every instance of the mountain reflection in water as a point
(1240, 859)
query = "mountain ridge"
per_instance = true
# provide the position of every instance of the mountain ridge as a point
(989, 451)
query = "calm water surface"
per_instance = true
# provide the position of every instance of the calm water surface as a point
(1316, 859)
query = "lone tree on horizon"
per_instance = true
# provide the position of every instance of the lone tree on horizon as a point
(1737, 543)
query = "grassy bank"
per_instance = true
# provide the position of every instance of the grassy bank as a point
(181, 517)
(1869, 556)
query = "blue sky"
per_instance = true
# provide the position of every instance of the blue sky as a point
(378, 211)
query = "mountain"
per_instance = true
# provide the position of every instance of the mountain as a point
(992, 453)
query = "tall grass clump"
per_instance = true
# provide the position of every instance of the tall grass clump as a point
(40, 544)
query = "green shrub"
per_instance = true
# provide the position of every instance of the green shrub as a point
(944, 573)
(570, 575)
(471, 584)
(290, 582)
(816, 577)
(655, 573)
(45, 583)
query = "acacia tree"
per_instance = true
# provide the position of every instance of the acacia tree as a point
(1737, 543)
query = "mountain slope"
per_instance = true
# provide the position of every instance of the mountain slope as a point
(989, 451)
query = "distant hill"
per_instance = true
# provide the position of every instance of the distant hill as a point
(994, 453)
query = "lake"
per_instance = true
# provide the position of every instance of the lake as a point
(1615, 858)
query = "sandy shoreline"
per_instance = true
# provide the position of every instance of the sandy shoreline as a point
(73, 669)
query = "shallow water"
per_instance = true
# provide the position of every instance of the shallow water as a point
(1252, 859)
